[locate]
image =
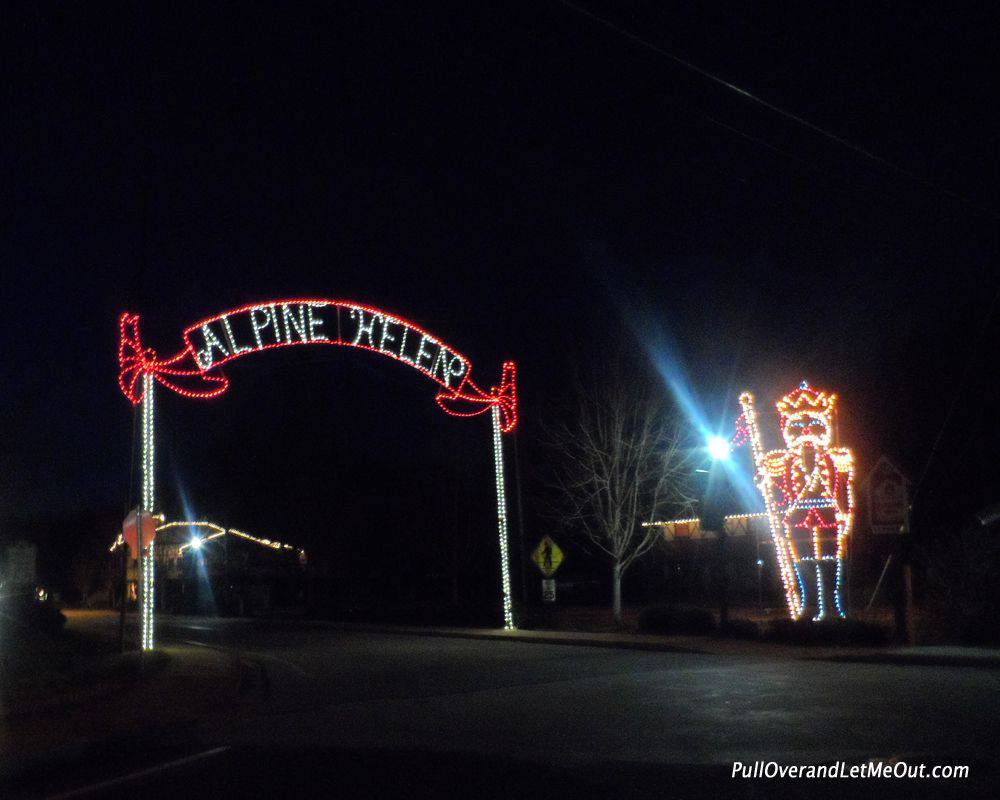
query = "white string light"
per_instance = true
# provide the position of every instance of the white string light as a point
(147, 558)
(508, 611)
(264, 542)
(217, 531)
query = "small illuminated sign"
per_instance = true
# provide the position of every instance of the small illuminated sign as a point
(547, 556)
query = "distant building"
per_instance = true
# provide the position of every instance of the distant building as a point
(753, 525)
(204, 568)
(690, 560)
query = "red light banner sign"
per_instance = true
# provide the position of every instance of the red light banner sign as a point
(194, 372)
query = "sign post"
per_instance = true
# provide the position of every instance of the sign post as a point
(889, 514)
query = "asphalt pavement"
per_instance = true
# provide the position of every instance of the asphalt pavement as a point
(340, 712)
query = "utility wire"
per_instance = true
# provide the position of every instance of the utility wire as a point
(958, 391)
(782, 112)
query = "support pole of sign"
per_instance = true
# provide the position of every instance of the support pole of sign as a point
(508, 610)
(906, 601)
(147, 562)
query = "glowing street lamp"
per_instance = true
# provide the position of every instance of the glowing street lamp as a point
(196, 542)
(718, 448)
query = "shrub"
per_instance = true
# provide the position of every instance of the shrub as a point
(740, 629)
(42, 617)
(832, 632)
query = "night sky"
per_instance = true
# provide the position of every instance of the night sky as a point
(526, 183)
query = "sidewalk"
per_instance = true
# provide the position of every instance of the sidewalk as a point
(947, 656)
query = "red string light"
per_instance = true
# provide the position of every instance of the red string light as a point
(193, 372)
(503, 396)
(742, 433)
(134, 361)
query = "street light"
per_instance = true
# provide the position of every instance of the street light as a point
(718, 448)
(196, 542)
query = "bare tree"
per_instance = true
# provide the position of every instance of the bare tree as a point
(620, 460)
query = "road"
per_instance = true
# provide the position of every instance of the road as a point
(420, 715)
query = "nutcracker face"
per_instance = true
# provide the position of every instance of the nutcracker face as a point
(806, 416)
(804, 428)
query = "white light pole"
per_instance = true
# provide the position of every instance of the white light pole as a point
(147, 563)
(508, 609)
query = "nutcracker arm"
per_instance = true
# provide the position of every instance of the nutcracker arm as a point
(770, 477)
(843, 463)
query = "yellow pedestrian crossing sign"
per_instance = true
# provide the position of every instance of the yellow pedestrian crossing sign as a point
(547, 556)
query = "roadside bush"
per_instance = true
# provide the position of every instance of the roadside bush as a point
(962, 594)
(40, 617)
(833, 632)
(677, 620)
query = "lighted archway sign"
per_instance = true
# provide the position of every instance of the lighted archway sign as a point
(195, 372)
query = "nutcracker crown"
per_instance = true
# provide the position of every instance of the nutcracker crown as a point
(806, 417)
(808, 400)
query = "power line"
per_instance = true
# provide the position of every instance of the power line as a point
(782, 112)
(984, 327)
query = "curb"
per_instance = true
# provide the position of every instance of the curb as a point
(659, 645)
(917, 660)
(582, 640)
(529, 637)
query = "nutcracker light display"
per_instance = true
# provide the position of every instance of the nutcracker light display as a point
(808, 491)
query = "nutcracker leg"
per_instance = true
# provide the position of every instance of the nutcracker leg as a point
(820, 593)
(829, 573)
(800, 598)
(800, 567)
(837, 596)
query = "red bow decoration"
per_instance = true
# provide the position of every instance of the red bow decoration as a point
(135, 361)
(741, 434)
(503, 397)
